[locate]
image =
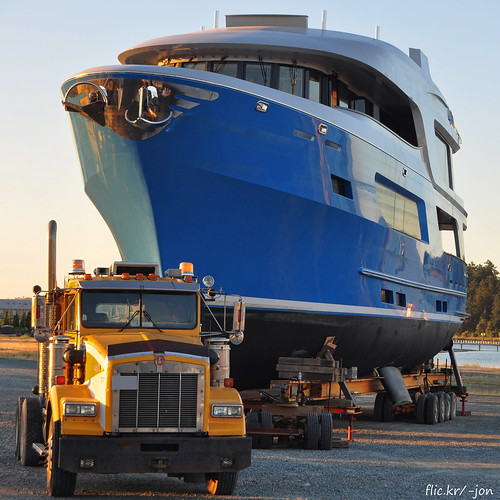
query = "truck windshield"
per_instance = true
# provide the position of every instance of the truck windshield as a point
(138, 309)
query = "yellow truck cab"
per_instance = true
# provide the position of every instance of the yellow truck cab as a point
(128, 383)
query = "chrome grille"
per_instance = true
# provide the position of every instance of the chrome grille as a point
(166, 401)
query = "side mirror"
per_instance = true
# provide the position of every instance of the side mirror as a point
(239, 316)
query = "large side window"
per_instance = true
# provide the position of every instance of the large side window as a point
(399, 210)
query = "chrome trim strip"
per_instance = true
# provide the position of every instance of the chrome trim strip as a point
(414, 284)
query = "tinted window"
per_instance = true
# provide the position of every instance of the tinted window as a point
(133, 309)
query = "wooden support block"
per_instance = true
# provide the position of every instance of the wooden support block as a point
(295, 362)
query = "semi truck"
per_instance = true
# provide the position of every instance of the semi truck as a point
(129, 381)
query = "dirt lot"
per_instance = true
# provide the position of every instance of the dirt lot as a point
(397, 460)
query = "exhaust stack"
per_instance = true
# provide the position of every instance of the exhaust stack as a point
(52, 233)
(49, 313)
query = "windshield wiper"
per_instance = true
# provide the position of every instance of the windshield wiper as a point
(129, 321)
(148, 317)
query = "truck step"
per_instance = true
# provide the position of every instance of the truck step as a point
(41, 449)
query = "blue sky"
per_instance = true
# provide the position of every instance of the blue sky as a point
(43, 43)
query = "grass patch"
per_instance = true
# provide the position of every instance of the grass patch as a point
(8, 353)
(486, 383)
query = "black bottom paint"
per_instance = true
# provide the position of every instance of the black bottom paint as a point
(364, 341)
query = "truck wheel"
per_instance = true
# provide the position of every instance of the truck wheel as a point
(253, 421)
(60, 482)
(266, 420)
(421, 401)
(432, 410)
(312, 431)
(222, 483)
(441, 406)
(19, 408)
(325, 440)
(30, 431)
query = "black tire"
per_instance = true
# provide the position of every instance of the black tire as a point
(30, 431)
(387, 409)
(421, 402)
(222, 483)
(453, 405)
(19, 407)
(432, 410)
(253, 420)
(326, 434)
(447, 406)
(379, 403)
(441, 406)
(312, 431)
(266, 422)
(60, 482)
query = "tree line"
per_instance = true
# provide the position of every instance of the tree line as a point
(483, 301)
(19, 322)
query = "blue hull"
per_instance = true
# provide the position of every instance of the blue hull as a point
(247, 196)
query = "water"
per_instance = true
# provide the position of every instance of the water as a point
(487, 357)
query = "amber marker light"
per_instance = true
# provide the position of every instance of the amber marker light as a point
(187, 271)
(88, 276)
(139, 276)
(186, 268)
(78, 266)
(125, 276)
(152, 276)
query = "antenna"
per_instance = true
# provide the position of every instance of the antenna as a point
(377, 32)
(323, 19)
(216, 19)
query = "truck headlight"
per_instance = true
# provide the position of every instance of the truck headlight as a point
(232, 411)
(80, 409)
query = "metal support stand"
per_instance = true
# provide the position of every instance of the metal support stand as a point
(350, 429)
(458, 378)
(456, 371)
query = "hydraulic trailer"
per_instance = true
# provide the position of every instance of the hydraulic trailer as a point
(300, 405)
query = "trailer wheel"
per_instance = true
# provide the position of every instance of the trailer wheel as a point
(266, 421)
(447, 406)
(453, 405)
(441, 406)
(312, 431)
(387, 409)
(30, 431)
(432, 410)
(222, 483)
(325, 440)
(19, 408)
(379, 403)
(60, 482)
(421, 403)
(254, 421)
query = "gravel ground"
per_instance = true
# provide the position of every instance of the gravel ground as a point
(399, 460)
